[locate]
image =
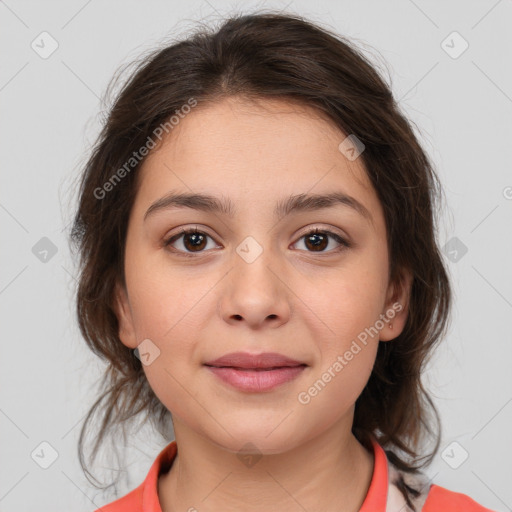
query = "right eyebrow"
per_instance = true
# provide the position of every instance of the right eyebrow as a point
(284, 207)
(203, 202)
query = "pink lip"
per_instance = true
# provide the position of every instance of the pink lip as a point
(256, 380)
(252, 361)
(256, 373)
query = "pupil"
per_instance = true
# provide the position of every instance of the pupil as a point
(314, 239)
(197, 239)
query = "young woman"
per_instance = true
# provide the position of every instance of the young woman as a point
(259, 264)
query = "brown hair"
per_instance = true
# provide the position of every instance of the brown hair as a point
(268, 55)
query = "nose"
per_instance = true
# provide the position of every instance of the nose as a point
(255, 292)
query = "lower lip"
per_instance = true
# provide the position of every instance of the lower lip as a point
(257, 380)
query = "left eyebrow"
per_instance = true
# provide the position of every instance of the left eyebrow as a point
(284, 207)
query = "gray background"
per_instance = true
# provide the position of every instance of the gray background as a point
(51, 114)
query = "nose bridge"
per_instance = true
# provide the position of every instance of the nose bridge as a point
(252, 261)
(254, 290)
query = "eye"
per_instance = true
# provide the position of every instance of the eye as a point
(194, 241)
(318, 239)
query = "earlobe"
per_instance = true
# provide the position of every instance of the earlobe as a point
(397, 307)
(124, 317)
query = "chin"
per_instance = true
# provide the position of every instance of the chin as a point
(260, 439)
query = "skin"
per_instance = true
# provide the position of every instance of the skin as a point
(304, 304)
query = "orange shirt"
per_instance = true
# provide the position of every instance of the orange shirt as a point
(383, 495)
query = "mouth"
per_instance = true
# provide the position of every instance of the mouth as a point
(257, 380)
(255, 369)
(255, 373)
(248, 361)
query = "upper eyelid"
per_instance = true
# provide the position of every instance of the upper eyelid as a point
(321, 229)
(302, 232)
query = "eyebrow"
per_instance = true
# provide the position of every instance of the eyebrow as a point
(284, 207)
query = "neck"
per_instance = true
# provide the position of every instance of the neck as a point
(331, 472)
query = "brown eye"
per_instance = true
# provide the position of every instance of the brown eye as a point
(318, 240)
(193, 241)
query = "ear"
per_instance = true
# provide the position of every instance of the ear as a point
(124, 317)
(396, 308)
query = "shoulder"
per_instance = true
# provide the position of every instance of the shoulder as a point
(414, 491)
(145, 496)
(440, 498)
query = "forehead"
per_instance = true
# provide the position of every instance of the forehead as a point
(256, 152)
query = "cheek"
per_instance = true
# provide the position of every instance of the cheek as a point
(336, 387)
(166, 304)
(348, 301)
(171, 310)
(348, 348)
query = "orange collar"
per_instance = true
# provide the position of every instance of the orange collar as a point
(375, 500)
(383, 495)
(377, 496)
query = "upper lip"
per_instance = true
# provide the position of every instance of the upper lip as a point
(246, 360)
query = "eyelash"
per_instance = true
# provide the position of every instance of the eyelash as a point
(335, 236)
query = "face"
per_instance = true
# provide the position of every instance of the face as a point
(254, 278)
